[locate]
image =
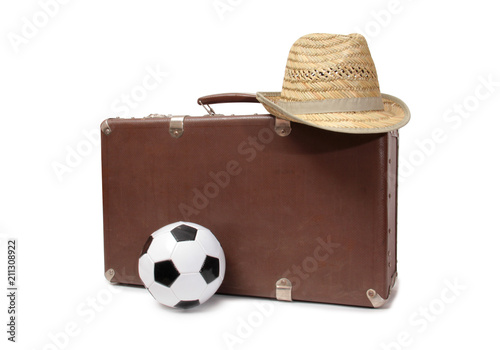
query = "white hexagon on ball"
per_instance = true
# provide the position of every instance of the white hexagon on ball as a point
(208, 242)
(162, 247)
(146, 270)
(189, 286)
(163, 295)
(188, 257)
(182, 265)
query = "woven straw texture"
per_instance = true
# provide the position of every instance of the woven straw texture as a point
(323, 67)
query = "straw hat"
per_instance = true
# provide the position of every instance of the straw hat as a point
(331, 83)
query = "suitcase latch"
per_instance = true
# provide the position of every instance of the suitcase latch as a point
(176, 126)
(282, 127)
(284, 289)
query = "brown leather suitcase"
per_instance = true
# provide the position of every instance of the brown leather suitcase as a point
(301, 213)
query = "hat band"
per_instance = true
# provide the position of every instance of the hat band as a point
(355, 104)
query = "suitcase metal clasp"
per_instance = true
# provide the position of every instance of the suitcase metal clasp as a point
(282, 127)
(176, 128)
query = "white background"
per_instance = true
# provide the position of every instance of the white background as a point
(66, 75)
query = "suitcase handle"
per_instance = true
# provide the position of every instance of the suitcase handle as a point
(208, 100)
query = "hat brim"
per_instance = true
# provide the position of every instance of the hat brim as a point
(395, 115)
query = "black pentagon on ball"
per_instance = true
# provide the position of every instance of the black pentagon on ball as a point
(210, 269)
(184, 233)
(187, 304)
(166, 273)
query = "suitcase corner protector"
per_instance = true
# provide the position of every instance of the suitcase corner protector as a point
(110, 274)
(375, 299)
(105, 128)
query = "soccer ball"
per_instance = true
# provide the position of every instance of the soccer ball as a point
(182, 265)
